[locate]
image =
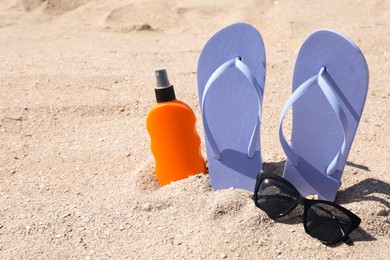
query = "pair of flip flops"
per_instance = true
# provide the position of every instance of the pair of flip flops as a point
(328, 94)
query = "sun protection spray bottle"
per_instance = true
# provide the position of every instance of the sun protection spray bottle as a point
(175, 143)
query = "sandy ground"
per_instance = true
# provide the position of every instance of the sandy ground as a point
(76, 172)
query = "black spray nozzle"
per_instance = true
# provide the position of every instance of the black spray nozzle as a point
(164, 90)
(162, 78)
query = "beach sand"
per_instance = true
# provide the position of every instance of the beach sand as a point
(76, 171)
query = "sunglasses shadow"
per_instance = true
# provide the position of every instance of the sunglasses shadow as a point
(360, 235)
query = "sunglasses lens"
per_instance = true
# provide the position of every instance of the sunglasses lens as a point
(275, 197)
(326, 222)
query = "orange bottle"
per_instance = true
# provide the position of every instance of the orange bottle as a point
(175, 143)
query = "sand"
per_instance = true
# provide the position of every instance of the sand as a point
(76, 171)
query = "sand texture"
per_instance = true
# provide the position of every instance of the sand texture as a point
(76, 171)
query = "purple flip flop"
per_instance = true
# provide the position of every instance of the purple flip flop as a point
(328, 95)
(231, 75)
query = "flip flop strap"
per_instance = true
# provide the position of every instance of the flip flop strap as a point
(256, 86)
(334, 102)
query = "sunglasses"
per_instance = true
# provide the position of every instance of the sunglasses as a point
(324, 220)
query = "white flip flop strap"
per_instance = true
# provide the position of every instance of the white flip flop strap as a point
(252, 79)
(334, 102)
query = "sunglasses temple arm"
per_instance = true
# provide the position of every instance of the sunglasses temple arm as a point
(348, 240)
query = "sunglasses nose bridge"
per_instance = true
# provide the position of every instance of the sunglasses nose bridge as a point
(300, 200)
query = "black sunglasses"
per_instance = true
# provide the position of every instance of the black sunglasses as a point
(322, 219)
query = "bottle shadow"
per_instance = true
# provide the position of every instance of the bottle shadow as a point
(365, 190)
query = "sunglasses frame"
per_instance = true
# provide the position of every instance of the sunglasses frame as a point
(307, 203)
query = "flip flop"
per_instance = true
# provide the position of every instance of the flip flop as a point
(231, 75)
(329, 91)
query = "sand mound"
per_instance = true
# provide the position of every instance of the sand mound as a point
(143, 17)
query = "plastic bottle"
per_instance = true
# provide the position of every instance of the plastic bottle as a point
(175, 143)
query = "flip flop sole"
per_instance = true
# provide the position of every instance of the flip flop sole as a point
(316, 132)
(232, 104)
